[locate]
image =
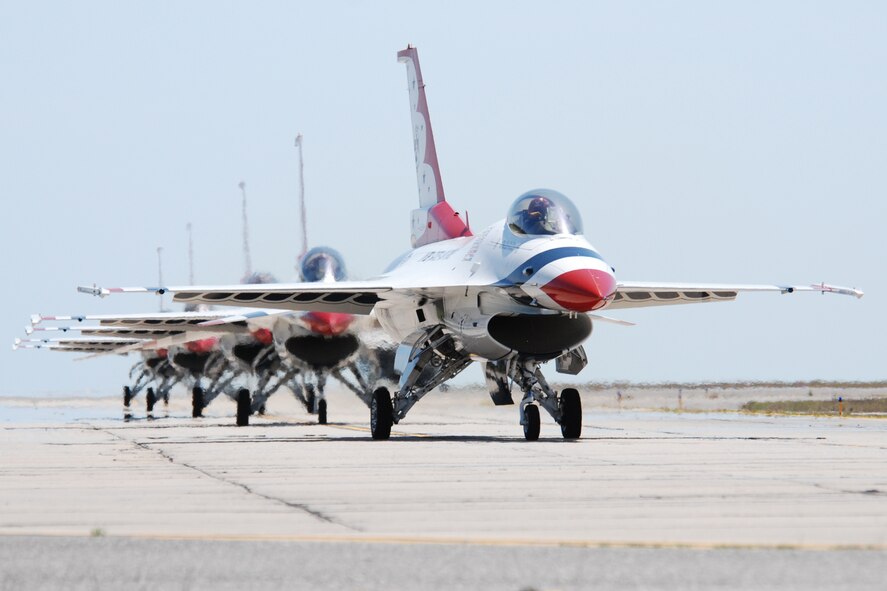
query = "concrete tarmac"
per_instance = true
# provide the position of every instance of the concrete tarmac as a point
(673, 490)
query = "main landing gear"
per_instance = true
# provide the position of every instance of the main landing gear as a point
(310, 391)
(433, 360)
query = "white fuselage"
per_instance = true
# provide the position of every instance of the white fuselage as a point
(499, 273)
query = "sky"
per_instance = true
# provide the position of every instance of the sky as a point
(712, 142)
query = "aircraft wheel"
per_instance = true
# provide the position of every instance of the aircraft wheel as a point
(531, 427)
(311, 399)
(243, 407)
(381, 414)
(197, 402)
(127, 396)
(571, 414)
(149, 400)
(321, 411)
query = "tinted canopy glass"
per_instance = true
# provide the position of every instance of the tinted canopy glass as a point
(544, 212)
(322, 264)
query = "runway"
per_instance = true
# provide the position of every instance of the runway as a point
(458, 478)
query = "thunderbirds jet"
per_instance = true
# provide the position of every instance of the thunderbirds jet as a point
(521, 292)
(214, 349)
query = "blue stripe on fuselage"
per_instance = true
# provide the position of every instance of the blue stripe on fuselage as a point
(536, 262)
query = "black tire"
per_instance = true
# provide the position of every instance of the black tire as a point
(571, 413)
(149, 400)
(321, 411)
(243, 407)
(310, 399)
(127, 396)
(381, 414)
(532, 424)
(197, 402)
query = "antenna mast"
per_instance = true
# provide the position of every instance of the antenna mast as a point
(246, 258)
(190, 255)
(160, 273)
(302, 197)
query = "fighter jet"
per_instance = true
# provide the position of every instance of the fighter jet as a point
(521, 292)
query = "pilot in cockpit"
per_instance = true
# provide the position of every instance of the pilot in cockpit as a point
(543, 212)
(537, 216)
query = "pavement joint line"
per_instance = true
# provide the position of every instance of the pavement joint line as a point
(457, 541)
(299, 506)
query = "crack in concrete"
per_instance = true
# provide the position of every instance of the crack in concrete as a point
(867, 492)
(298, 506)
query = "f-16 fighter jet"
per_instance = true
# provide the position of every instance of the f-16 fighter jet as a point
(525, 290)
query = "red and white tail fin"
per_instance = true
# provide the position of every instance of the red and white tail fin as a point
(435, 220)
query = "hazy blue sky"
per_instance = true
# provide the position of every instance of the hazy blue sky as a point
(730, 142)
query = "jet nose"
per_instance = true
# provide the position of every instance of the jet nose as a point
(328, 323)
(581, 290)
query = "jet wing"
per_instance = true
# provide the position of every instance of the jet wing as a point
(154, 319)
(637, 294)
(77, 344)
(109, 331)
(348, 297)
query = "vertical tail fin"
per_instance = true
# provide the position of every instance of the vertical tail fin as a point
(435, 220)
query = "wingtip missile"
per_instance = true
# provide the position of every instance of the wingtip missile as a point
(94, 290)
(826, 288)
(102, 292)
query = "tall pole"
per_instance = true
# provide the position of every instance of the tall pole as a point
(190, 255)
(302, 197)
(246, 258)
(160, 273)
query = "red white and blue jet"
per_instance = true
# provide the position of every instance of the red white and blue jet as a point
(521, 292)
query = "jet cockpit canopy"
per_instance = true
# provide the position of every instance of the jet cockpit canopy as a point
(543, 212)
(322, 264)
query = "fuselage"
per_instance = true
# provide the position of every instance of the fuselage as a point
(519, 295)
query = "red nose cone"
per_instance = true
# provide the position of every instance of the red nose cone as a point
(328, 323)
(203, 345)
(263, 335)
(581, 290)
(162, 353)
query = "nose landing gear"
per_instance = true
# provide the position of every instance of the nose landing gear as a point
(531, 422)
(565, 409)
